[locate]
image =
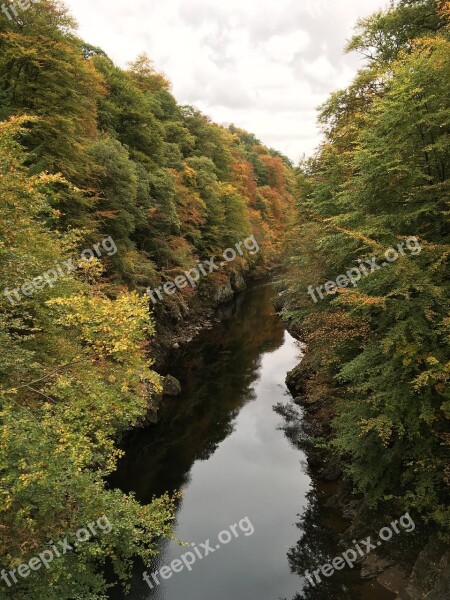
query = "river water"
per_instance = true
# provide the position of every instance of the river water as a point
(232, 444)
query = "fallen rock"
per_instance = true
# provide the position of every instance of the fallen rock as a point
(223, 294)
(295, 381)
(153, 406)
(151, 417)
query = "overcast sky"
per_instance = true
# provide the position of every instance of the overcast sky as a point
(263, 65)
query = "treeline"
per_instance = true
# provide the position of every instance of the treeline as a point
(101, 161)
(164, 181)
(374, 231)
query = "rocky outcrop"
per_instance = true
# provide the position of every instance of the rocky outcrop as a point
(223, 293)
(295, 380)
(180, 318)
(430, 577)
(151, 417)
(171, 387)
(374, 565)
(238, 282)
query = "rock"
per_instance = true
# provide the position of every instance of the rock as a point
(280, 301)
(176, 312)
(171, 386)
(238, 282)
(293, 381)
(441, 590)
(296, 382)
(151, 417)
(350, 510)
(153, 406)
(393, 580)
(374, 565)
(223, 293)
(430, 578)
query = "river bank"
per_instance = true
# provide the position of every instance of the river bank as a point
(419, 570)
(180, 319)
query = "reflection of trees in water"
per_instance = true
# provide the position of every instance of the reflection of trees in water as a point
(316, 548)
(317, 544)
(293, 424)
(217, 373)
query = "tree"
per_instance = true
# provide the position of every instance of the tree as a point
(378, 352)
(74, 374)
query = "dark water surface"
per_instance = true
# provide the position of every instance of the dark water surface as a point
(232, 449)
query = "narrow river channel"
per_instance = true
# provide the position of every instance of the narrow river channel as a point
(235, 454)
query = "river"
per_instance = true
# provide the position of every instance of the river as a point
(232, 444)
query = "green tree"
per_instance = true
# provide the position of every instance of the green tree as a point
(74, 374)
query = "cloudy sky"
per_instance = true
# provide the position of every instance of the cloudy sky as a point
(264, 66)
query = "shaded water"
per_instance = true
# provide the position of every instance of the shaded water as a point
(235, 452)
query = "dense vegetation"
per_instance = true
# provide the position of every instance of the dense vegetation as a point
(378, 348)
(90, 152)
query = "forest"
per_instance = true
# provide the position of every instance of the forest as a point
(92, 155)
(377, 337)
(109, 187)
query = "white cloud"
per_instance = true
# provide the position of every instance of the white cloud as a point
(263, 66)
(283, 48)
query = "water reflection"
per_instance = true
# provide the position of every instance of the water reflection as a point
(234, 456)
(222, 443)
(217, 373)
(319, 528)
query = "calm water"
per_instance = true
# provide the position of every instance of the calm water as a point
(232, 444)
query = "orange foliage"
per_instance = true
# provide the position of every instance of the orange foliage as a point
(243, 177)
(444, 8)
(277, 171)
(191, 208)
